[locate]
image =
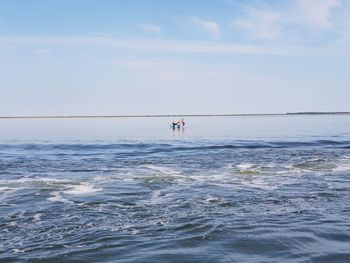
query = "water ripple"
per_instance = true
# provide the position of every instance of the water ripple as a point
(199, 201)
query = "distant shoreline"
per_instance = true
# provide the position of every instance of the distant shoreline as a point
(172, 115)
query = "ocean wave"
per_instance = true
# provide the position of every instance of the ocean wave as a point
(183, 146)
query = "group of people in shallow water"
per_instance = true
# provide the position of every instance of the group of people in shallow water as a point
(178, 124)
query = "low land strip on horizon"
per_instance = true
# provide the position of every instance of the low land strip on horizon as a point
(172, 115)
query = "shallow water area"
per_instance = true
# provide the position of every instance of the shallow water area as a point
(223, 189)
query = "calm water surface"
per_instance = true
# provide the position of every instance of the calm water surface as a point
(225, 189)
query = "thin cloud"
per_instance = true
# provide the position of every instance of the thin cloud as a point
(261, 23)
(151, 28)
(210, 26)
(149, 45)
(297, 18)
(315, 13)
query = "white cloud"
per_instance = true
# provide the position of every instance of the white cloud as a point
(291, 20)
(261, 23)
(209, 26)
(315, 13)
(150, 28)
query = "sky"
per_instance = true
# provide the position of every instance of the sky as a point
(110, 57)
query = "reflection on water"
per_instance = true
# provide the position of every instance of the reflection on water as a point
(178, 132)
(224, 190)
(239, 128)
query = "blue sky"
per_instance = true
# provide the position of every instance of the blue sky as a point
(173, 57)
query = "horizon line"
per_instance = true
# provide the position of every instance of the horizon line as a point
(174, 115)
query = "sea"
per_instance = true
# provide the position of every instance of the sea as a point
(221, 189)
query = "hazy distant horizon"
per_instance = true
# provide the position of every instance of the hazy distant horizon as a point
(172, 115)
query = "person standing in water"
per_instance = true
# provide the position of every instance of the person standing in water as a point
(178, 124)
(174, 124)
(181, 123)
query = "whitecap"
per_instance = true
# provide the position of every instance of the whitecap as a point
(16, 250)
(161, 169)
(135, 231)
(342, 168)
(211, 199)
(37, 217)
(82, 189)
(57, 197)
(246, 168)
(343, 165)
(41, 180)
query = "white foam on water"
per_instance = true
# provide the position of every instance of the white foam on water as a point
(129, 228)
(258, 183)
(162, 169)
(13, 185)
(128, 180)
(114, 178)
(154, 173)
(342, 165)
(210, 178)
(37, 217)
(246, 168)
(134, 232)
(211, 199)
(16, 250)
(77, 246)
(57, 197)
(342, 168)
(40, 180)
(82, 189)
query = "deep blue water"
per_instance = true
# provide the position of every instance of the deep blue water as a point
(258, 189)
